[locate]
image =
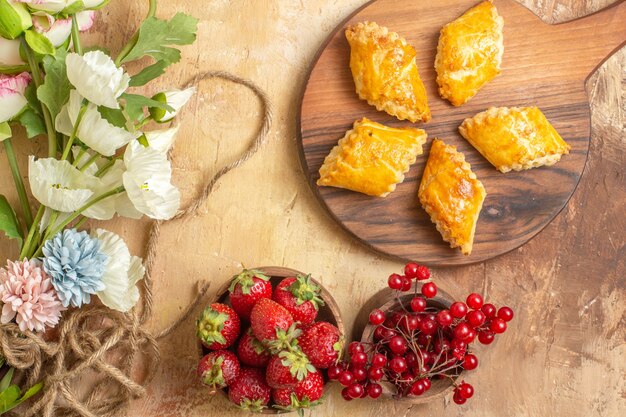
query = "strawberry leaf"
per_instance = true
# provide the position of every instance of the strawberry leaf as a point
(304, 290)
(245, 279)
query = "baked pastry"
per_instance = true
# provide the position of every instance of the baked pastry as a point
(469, 53)
(451, 195)
(372, 158)
(385, 73)
(515, 138)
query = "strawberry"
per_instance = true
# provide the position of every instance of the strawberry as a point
(218, 326)
(218, 369)
(321, 343)
(273, 325)
(246, 289)
(306, 394)
(249, 391)
(287, 368)
(300, 297)
(251, 352)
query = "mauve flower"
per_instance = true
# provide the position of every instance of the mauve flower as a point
(12, 99)
(28, 296)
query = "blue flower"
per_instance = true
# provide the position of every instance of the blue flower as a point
(76, 264)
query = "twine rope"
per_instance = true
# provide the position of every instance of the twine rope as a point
(105, 344)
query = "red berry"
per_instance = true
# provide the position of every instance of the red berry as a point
(429, 289)
(410, 270)
(489, 310)
(246, 288)
(334, 371)
(505, 313)
(485, 337)
(218, 326)
(379, 360)
(417, 388)
(398, 364)
(251, 352)
(418, 304)
(395, 281)
(359, 358)
(374, 390)
(466, 390)
(406, 284)
(462, 331)
(423, 273)
(345, 395)
(457, 398)
(359, 373)
(470, 362)
(474, 301)
(250, 390)
(346, 378)
(471, 336)
(423, 339)
(287, 368)
(497, 325)
(475, 318)
(321, 342)
(412, 323)
(268, 319)
(375, 374)
(379, 333)
(355, 390)
(428, 326)
(426, 383)
(458, 310)
(397, 344)
(219, 368)
(444, 318)
(300, 297)
(355, 347)
(458, 344)
(377, 317)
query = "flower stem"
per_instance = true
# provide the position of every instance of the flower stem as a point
(19, 183)
(89, 162)
(133, 41)
(70, 141)
(31, 233)
(105, 168)
(81, 152)
(76, 36)
(34, 68)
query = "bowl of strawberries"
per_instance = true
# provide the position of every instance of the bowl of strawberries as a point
(268, 339)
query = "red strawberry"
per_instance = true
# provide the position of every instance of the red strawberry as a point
(251, 352)
(249, 391)
(272, 324)
(307, 393)
(218, 326)
(300, 297)
(321, 343)
(218, 369)
(246, 289)
(287, 368)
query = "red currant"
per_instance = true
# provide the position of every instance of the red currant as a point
(444, 318)
(410, 270)
(423, 339)
(470, 362)
(474, 301)
(355, 390)
(418, 304)
(355, 347)
(374, 390)
(346, 378)
(497, 325)
(406, 284)
(375, 374)
(345, 395)
(475, 318)
(360, 374)
(471, 336)
(398, 364)
(377, 317)
(505, 313)
(412, 323)
(417, 388)
(458, 310)
(334, 371)
(429, 289)
(423, 273)
(466, 390)
(441, 345)
(379, 333)
(379, 360)
(462, 330)
(485, 337)
(458, 344)
(359, 358)
(426, 383)
(489, 310)
(395, 281)
(457, 398)
(428, 327)
(397, 344)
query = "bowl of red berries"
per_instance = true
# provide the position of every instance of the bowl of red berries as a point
(417, 344)
(268, 339)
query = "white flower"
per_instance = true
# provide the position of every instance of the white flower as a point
(97, 78)
(10, 53)
(121, 274)
(85, 19)
(147, 182)
(50, 6)
(162, 140)
(175, 99)
(106, 209)
(56, 30)
(57, 184)
(93, 130)
(12, 100)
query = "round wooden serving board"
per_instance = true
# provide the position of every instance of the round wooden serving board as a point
(544, 65)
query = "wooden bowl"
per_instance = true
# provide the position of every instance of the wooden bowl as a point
(328, 312)
(439, 388)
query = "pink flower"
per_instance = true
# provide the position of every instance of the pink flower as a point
(28, 296)
(12, 99)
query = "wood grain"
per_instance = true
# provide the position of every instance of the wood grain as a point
(544, 65)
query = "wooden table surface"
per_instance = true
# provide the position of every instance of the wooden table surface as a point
(563, 355)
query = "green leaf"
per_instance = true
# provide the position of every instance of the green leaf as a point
(32, 122)
(14, 18)
(5, 131)
(74, 8)
(6, 380)
(9, 398)
(114, 116)
(148, 74)
(8, 220)
(32, 391)
(156, 37)
(13, 69)
(55, 90)
(135, 104)
(38, 42)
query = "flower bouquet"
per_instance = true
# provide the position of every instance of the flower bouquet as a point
(101, 162)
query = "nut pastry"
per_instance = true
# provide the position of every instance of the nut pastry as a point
(372, 158)
(451, 195)
(469, 53)
(514, 138)
(385, 73)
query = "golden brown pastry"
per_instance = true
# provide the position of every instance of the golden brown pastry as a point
(515, 138)
(372, 158)
(452, 195)
(385, 73)
(469, 53)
